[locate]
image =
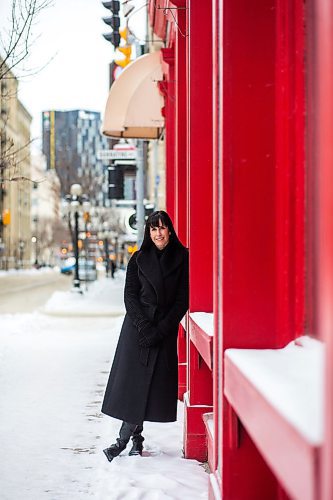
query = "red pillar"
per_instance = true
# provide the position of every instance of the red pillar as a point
(322, 72)
(259, 150)
(167, 87)
(217, 116)
(181, 167)
(252, 138)
(200, 211)
(290, 164)
(180, 125)
(199, 148)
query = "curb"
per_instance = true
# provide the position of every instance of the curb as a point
(83, 314)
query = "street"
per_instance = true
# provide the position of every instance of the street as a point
(24, 292)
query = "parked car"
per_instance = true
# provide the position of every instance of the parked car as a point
(87, 268)
(68, 265)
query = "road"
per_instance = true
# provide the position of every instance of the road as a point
(26, 292)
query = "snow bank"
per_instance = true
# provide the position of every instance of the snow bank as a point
(103, 297)
(28, 272)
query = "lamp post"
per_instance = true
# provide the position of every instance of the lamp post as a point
(75, 202)
(34, 241)
(21, 253)
(76, 282)
(106, 248)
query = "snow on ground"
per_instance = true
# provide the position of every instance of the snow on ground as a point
(101, 298)
(53, 372)
(27, 272)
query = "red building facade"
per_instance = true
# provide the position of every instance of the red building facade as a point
(248, 92)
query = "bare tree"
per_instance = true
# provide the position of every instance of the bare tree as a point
(16, 40)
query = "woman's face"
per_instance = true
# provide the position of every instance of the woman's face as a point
(160, 235)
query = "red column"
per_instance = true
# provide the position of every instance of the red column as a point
(199, 148)
(290, 163)
(217, 32)
(167, 87)
(200, 211)
(252, 54)
(322, 72)
(181, 165)
(180, 125)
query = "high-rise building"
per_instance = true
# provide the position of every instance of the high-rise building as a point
(71, 140)
(47, 225)
(15, 177)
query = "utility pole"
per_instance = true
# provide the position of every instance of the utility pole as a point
(140, 210)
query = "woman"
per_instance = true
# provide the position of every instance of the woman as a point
(143, 382)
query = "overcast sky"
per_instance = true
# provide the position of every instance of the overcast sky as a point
(70, 42)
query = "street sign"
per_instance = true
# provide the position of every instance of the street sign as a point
(116, 154)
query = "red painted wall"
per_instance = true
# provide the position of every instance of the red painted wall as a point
(245, 203)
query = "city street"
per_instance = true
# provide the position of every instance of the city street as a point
(53, 372)
(23, 292)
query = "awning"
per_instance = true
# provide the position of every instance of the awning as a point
(133, 108)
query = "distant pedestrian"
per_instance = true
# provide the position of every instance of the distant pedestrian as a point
(113, 268)
(107, 266)
(143, 382)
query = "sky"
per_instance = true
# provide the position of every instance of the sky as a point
(69, 42)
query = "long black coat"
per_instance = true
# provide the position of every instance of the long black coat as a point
(143, 382)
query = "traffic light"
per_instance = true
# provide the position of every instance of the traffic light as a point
(5, 219)
(113, 21)
(115, 183)
(126, 50)
(86, 217)
(132, 248)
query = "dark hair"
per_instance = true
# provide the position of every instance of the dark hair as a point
(153, 221)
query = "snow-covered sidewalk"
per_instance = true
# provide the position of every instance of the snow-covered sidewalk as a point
(100, 298)
(53, 372)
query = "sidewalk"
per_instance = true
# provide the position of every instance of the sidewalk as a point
(53, 372)
(103, 297)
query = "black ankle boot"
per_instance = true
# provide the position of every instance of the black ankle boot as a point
(137, 447)
(114, 450)
(126, 431)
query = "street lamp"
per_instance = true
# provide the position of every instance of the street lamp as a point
(21, 253)
(75, 203)
(35, 242)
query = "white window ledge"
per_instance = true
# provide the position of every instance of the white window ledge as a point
(205, 321)
(278, 396)
(201, 330)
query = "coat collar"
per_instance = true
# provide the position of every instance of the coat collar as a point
(155, 269)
